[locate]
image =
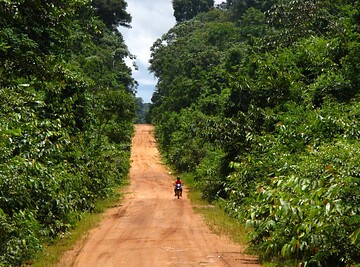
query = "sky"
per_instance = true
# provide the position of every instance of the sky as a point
(150, 20)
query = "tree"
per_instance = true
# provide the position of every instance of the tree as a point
(142, 111)
(66, 117)
(238, 7)
(273, 132)
(187, 9)
(112, 12)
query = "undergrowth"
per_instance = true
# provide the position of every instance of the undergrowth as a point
(52, 253)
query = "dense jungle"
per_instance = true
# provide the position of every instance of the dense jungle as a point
(67, 108)
(257, 101)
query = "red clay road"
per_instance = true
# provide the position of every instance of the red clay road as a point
(152, 228)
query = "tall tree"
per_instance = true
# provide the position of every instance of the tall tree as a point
(112, 12)
(187, 9)
(263, 110)
(66, 116)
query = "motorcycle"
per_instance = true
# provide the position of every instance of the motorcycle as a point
(178, 191)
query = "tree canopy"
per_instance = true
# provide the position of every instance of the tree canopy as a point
(187, 9)
(66, 118)
(112, 13)
(259, 101)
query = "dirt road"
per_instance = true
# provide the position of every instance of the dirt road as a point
(152, 228)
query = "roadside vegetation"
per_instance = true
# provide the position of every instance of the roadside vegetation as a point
(51, 253)
(66, 117)
(218, 221)
(259, 101)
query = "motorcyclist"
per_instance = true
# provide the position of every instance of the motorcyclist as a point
(178, 181)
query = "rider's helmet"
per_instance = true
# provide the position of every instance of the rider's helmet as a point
(178, 178)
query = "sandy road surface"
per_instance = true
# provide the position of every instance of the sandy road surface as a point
(152, 228)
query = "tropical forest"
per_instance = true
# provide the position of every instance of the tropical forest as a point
(67, 109)
(257, 100)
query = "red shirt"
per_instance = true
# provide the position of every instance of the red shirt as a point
(178, 182)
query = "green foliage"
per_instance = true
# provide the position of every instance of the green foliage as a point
(142, 113)
(208, 175)
(259, 101)
(67, 109)
(285, 184)
(187, 9)
(18, 236)
(112, 13)
(310, 209)
(184, 150)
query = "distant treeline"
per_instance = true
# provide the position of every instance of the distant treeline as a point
(142, 112)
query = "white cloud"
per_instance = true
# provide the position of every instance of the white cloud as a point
(145, 80)
(150, 20)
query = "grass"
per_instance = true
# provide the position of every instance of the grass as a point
(218, 221)
(52, 253)
(214, 215)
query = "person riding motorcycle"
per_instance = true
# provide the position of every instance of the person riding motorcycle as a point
(178, 181)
